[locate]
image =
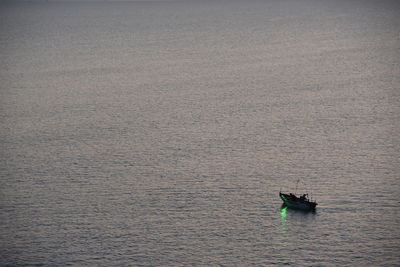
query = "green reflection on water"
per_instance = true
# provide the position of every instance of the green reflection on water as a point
(283, 214)
(283, 219)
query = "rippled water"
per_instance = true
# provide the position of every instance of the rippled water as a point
(160, 133)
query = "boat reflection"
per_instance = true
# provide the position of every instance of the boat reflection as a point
(296, 217)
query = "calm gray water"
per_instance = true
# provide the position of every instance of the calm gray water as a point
(160, 133)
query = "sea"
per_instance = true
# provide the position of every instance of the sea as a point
(160, 133)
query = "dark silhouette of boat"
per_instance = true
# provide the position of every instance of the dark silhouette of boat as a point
(295, 202)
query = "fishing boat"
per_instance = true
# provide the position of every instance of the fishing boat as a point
(295, 202)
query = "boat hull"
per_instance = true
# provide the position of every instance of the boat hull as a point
(290, 202)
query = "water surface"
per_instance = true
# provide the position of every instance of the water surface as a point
(160, 133)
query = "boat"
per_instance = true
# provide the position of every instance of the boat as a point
(295, 202)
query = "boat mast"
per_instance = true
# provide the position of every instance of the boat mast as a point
(295, 191)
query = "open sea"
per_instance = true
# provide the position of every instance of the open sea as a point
(159, 133)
